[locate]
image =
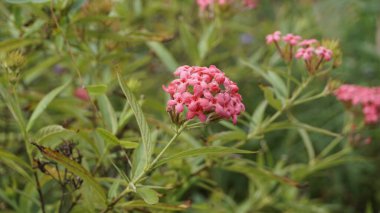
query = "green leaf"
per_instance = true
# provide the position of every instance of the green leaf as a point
(158, 206)
(110, 138)
(77, 169)
(308, 144)
(205, 42)
(108, 113)
(278, 84)
(39, 69)
(228, 136)
(269, 96)
(98, 89)
(11, 44)
(258, 115)
(255, 172)
(148, 195)
(44, 103)
(15, 163)
(145, 148)
(165, 56)
(188, 42)
(52, 133)
(214, 150)
(14, 108)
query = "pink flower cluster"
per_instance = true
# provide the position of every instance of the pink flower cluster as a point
(309, 49)
(367, 97)
(204, 91)
(204, 4)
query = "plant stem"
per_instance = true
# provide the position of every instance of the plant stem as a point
(175, 136)
(116, 200)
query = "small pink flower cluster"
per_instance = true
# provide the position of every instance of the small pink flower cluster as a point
(367, 97)
(204, 4)
(204, 91)
(309, 49)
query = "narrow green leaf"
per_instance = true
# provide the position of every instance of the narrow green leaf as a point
(146, 146)
(97, 89)
(110, 138)
(11, 44)
(14, 108)
(165, 56)
(269, 96)
(278, 84)
(34, 72)
(158, 206)
(204, 44)
(214, 150)
(228, 136)
(108, 113)
(188, 42)
(308, 144)
(15, 163)
(44, 103)
(148, 195)
(258, 115)
(75, 168)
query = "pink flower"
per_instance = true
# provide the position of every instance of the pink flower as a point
(324, 53)
(305, 53)
(366, 97)
(307, 42)
(251, 4)
(291, 39)
(203, 4)
(272, 38)
(202, 91)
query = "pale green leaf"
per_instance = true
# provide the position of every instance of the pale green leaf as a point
(269, 96)
(146, 146)
(148, 195)
(158, 206)
(108, 113)
(165, 56)
(110, 138)
(97, 89)
(53, 133)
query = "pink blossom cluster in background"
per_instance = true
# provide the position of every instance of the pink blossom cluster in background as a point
(309, 50)
(204, 4)
(203, 91)
(367, 97)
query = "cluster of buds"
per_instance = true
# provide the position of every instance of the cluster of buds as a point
(203, 92)
(206, 4)
(309, 50)
(366, 97)
(11, 64)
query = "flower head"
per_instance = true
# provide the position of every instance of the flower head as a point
(291, 39)
(366, 97)
(274, 37)
(203, 92)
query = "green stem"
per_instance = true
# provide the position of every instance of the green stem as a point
(175, 136)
